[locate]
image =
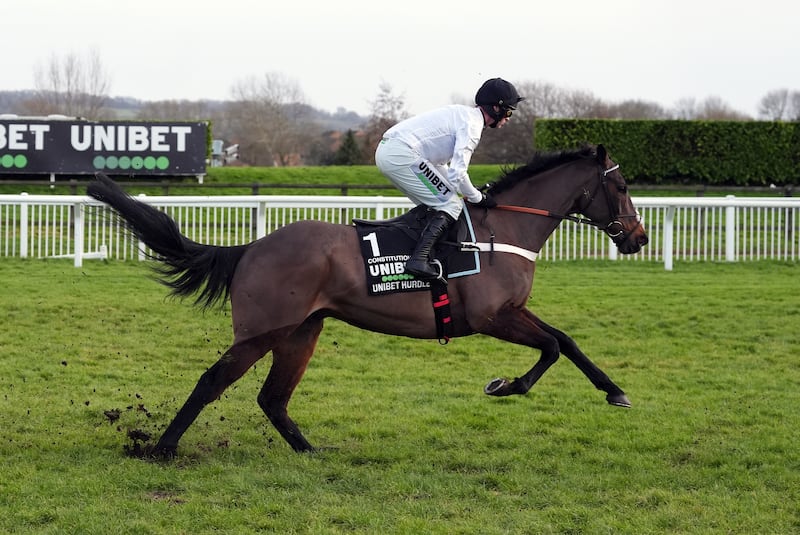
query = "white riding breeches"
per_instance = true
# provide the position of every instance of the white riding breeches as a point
(422, 181)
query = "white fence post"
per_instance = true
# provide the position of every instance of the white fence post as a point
(669, 232)
(731, 230)
(261, 220)
(78, 240)
(23, 227)
(141, 247)
(613, 252)
(379, 209)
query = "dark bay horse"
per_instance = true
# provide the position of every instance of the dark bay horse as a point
(284, 285)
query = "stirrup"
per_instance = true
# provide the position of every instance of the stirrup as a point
(423, 276)
(440, 277)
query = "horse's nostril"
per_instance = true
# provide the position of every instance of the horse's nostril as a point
(643, 240)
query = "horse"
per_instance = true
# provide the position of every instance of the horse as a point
(281, 287)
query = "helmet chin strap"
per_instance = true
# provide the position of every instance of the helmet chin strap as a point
(489, 110)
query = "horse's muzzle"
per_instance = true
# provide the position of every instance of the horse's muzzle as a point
(628, 240)
(633, 243)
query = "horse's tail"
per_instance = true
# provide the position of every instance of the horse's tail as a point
(187, 267)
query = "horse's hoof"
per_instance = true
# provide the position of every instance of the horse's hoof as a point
(164, 454)
(495, 387)
(149, 452)
(618, 400)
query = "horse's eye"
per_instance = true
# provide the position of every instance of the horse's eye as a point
(622, 189)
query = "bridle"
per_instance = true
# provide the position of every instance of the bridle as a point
(617, 236)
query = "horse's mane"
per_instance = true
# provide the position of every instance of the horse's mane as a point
(539, 162)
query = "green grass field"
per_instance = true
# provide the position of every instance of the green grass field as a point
(707, 353)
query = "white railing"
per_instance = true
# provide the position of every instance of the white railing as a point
(721, 229)
(690, 228)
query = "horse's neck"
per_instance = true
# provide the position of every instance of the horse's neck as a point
(552, 193)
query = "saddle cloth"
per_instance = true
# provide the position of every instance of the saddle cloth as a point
(386, 245)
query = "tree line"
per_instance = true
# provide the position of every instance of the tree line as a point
(269, 118)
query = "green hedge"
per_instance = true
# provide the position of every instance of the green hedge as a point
(727, 153)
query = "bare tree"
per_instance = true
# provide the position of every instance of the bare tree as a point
(774, 105)
(269, 115)
(71, 85)
(685, 108)
(386, 111)
(636, 109)
(794, 106)
(780, 105)
(543, 100)
(712, 108)
(581, 104)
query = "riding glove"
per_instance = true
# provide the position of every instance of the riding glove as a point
(486, 201)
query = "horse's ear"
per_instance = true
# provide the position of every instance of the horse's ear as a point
(601, 154)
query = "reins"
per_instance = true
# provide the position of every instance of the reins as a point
(546, 213)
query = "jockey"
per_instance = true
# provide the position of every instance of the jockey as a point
(427, 156)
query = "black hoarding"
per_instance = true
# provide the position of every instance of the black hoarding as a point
(53, 146)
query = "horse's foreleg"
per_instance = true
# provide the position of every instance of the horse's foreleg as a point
(519, 326)
(230, 367)
(601, 381)
(289, 361)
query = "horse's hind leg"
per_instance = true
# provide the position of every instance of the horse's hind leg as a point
(601, 381)
(230, 367)
(289, 361)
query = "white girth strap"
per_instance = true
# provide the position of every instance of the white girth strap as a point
(499, 247)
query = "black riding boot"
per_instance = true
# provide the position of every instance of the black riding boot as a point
(419, 264)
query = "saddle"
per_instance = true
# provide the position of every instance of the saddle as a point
(387, 244)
